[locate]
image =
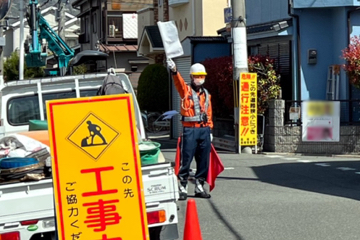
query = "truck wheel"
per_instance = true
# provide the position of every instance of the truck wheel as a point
(155, 233)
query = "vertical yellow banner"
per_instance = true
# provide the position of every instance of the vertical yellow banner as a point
(96, 169)
(248, 109)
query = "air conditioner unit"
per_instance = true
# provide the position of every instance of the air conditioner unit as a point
(112, 31)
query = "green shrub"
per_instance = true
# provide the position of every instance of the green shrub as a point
(80, 69)
(11, 69)
(153, 89)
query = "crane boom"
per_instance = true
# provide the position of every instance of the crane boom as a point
(40, 29)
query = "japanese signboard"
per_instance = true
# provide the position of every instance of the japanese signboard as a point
(96, 169)
(248, 109)
(321, 121)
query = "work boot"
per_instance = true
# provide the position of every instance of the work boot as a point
(199, 189)
(183, 190)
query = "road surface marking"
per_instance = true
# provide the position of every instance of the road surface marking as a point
(273, 156)
(229, 168)
(303, 161)
(322, 164)
(291, 158)
(357, 172)
(346, 168)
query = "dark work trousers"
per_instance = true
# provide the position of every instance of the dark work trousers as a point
(195, 142)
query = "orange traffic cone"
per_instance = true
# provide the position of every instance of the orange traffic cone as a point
(192, 227)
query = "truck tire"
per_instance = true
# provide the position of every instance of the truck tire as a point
(155, 233)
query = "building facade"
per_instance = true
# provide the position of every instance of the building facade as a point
(112, 27)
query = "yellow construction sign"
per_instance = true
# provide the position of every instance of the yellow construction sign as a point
(96, 169)
(248, 109)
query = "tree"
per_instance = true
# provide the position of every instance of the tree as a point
(11, 69)
(267, 78)
(153, 89)
(351, 55)
(219, 82)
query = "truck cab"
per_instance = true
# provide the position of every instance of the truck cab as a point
(29, 205)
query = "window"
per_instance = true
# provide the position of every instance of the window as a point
(24, 108)
(115, 27)
(95, 22)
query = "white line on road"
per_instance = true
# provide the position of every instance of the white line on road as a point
(357, 172)
(229, 168)
(303, 161)
(291, 158)
(322, 164)
(273, 156)
(346, 168)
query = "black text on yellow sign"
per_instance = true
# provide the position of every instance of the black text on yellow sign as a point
(248, 109)
(96, 169)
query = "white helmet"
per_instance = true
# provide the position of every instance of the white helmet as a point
(197, 69)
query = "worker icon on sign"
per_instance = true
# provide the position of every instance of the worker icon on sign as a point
(94, 130)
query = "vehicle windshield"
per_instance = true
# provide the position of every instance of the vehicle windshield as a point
(24, 108)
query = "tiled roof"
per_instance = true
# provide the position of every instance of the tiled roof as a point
(118, 48)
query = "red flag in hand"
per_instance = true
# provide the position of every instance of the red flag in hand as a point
(215, 168)
(177, 157)
(215, 165)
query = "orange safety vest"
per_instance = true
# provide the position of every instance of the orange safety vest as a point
(193, 104)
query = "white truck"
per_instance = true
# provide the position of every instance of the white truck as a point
(27, 208)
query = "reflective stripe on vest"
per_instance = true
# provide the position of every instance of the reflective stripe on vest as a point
(197, 117)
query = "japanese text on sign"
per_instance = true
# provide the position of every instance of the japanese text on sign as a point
(248, 109)
(90, 148)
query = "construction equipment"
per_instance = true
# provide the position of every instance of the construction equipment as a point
(36, 48)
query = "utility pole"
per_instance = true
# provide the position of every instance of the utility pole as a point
(61, 19)
(240, 56)
(22, 41)
(61, 27)
(1, 55)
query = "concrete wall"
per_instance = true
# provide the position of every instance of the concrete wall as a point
(288, 139)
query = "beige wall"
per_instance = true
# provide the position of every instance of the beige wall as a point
(209, 17)
(181, 15)
(213, 16)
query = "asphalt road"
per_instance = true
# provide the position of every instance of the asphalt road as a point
(279, 197)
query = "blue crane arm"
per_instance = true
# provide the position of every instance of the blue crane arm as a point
(40, 29)
(55, 43)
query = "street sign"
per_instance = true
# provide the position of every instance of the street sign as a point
(248, 109)
(96, 169)
(227, 15)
